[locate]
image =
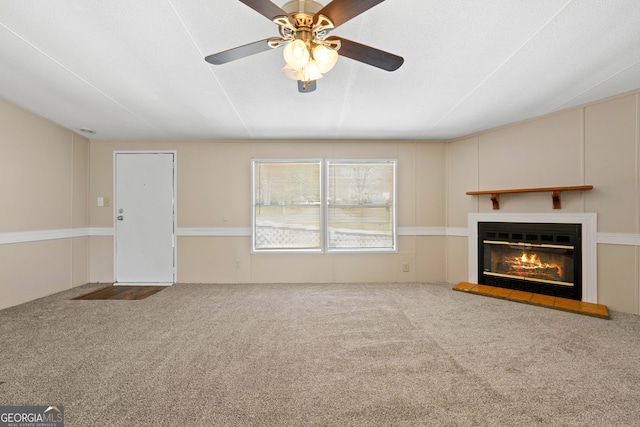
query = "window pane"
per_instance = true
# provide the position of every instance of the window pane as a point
(361, 205)
(286, 204)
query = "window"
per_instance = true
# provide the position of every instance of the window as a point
(290, 212)
(361, 205)
(286, 205)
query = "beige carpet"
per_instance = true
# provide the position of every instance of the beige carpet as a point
(325, 354)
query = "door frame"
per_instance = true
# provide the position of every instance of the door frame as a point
(175, 211)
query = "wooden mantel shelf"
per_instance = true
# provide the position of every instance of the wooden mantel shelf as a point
(555, 193)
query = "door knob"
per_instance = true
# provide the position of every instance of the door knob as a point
(119, 217)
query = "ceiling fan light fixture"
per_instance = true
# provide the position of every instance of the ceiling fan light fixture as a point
(325, 58)
(311, 72)
(292, 73)
(296, 54)
(309, 51)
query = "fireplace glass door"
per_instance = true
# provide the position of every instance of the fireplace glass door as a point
(552, 264)
(539, 258)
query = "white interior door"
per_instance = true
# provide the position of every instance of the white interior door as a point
(144, 226)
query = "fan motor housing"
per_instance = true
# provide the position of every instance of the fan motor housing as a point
(308, 7)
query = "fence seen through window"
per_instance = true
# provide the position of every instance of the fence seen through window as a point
(290, 212)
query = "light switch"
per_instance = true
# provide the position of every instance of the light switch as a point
(101, 201)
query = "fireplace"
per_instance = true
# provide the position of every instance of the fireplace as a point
(544, 258)
(588, 248)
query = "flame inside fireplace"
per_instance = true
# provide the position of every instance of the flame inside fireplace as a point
(530, 265)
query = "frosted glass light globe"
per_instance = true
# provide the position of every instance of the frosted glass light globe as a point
(296, 54)
(325, 58)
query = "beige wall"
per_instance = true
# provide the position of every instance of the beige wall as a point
(51, 177)
(597, 144)
(43, 187)
(214, 191)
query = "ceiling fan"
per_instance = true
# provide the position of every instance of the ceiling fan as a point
(309, 51)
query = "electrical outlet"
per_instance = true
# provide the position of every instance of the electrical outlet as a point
(405, 267)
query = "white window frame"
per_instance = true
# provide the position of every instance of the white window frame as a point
(394, 207)
(256, 250)
(324, 165)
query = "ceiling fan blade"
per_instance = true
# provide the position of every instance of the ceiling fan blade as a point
(340, 11)
(238, 52)
(265, 8)
(369, 55)
(306, 87)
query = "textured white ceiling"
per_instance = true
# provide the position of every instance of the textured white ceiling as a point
(135, 69)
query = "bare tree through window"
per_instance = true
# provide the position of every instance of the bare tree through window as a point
(359, 208)
(361, 205)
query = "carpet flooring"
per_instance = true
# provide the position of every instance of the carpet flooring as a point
(319, 354)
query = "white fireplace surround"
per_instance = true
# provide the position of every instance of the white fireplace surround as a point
(589, 237)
